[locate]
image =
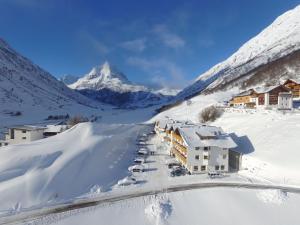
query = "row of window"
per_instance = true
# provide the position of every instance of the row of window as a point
(203, 168)
(197, 157)
(222, 167)
(206, 148)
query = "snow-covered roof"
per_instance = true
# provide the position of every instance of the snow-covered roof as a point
(28, 128)
(201, 136)
(245, 93)
(55, 128)
(296, 80)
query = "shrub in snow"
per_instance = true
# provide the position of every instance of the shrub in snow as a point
(77, 119)
(58, 117)
(210, 113)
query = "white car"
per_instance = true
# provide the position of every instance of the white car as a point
(142, 152)
(139, 160)
(127, 181)
(136, 169)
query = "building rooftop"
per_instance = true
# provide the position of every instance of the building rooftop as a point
(28, 128)
(245, 93)
(201, 136)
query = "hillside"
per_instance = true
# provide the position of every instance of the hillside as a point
(22, 83)
(269, 57)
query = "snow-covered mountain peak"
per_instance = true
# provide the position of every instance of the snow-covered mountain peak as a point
(106, 73)
(106, 77)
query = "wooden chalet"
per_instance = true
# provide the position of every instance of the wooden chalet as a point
(246, 98)
(268, 96)
(294, 86)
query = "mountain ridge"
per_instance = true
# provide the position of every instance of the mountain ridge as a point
(278, 40)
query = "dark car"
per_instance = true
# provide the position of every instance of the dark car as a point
(178, 172)
(215, 175)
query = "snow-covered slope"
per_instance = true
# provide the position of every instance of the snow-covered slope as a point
(277, 45)
(205, 207)
(24, 83)
(106, 84)
(67, 165)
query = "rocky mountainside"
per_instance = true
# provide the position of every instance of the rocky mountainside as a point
(24, 83)
(106, 84)
(269, 57)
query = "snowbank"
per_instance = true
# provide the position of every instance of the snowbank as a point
(76, 162)
(206, 206)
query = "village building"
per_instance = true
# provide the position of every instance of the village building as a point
(245, 99)
(26, 133)
(52, 130)
(198, 147)
(279, 97)
(274, 96)
(294, 86)
(23, 134)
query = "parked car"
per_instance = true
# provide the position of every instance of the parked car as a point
(139, 160)
(173, 164)
(178, 172)
(127, 181)
(214, 175)
(142, 152)
(136, 169)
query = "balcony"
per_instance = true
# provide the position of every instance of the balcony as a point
(179, 156)
(177, 138)
(180, 148)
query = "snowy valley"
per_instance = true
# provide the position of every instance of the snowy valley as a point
(145, 156)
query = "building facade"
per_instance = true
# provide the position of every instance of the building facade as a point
(198, 147)
(23, 134)
(294, 86)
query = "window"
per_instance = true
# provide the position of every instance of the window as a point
(206, 148)
(195, 168)
(197, 148)
(205, 157)
(203, 168)
(224, 149)
(224, 156)
(5, 144)
(217, 167)
(23, 138)
(23, 131)
(197, 157)
(222, 167)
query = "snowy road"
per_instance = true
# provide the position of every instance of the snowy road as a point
(25, 217)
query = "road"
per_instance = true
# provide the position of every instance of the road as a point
(28, 216)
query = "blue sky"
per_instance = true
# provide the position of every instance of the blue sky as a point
(156, 42)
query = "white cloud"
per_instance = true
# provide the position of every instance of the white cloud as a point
(137, 45)
(162, 71)
(169, 39)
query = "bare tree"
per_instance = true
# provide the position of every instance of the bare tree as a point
(210, 113)
(77, 119)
